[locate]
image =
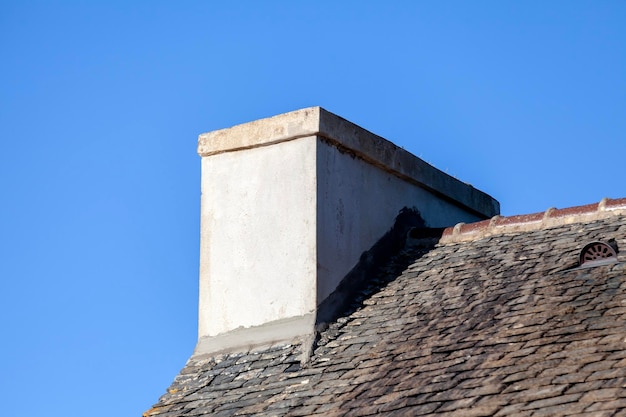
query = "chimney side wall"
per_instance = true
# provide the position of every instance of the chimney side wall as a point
(357, 204)
(258, 222)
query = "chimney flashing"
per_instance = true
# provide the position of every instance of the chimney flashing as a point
(292, 329)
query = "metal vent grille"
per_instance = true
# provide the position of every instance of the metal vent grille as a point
(597, 252)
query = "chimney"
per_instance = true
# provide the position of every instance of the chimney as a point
(290, 205)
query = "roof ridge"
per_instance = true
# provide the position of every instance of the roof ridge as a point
(552, 217)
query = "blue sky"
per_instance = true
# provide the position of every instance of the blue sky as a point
(101, 104)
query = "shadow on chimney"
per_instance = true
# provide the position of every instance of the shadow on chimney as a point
(407, 240)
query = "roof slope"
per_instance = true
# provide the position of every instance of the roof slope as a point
(500, 325)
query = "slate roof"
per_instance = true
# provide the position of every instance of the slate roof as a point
(502, 324)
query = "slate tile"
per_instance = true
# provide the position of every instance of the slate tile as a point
(570, 378)
(616, 373)
(412, 409)
(611, 405)
(528, 393)
(561, 370)
(573, 409)
(585, 387)
(574, 353)
(464, 403)
(305, 410)
(520, 376)
(602, 394)
(511, 409)
(481, 411)
(552, 401)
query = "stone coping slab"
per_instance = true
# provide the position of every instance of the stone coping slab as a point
(352, 139)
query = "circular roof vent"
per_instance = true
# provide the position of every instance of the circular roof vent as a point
(597, 253)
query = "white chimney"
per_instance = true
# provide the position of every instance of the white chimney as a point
(289, 206)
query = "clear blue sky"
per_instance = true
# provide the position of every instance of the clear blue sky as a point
(101, 103)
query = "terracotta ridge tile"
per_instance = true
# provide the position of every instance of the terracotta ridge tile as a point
(552, 217)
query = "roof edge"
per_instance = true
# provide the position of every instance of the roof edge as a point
(552, 217)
